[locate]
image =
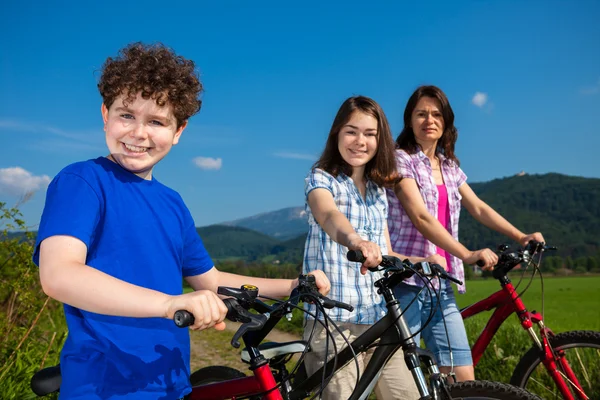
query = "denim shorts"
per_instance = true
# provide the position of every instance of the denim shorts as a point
(434, 334)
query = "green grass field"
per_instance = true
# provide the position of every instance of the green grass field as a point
(569, 303)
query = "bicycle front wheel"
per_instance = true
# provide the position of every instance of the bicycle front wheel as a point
(577, 352)
(486, 390)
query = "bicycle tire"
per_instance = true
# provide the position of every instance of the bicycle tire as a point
(487, 390)
(529, 367)
(217, 373)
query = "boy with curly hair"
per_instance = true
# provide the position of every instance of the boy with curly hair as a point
(114, 243)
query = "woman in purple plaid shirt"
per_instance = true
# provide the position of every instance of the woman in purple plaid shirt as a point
(423, 220)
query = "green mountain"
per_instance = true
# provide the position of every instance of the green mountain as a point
(282, 224)
(225, 242)
(566, 209)
(233, 242)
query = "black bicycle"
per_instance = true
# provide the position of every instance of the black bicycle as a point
(271, 378)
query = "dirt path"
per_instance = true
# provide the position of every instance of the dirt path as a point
(213, 347)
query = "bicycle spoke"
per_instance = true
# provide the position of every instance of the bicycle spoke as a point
(586, 376)
(572, 384)
(543, 386)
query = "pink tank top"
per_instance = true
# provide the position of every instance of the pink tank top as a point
(444, 218)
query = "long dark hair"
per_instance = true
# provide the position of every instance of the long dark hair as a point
(381, 169)
(406, 140)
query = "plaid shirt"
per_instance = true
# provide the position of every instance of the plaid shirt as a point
(405, 238)
(321, 252)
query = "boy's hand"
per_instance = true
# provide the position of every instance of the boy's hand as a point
(208, 309)
(321, 281)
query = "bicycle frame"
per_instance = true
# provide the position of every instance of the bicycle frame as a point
(506, 301)
(262, 381)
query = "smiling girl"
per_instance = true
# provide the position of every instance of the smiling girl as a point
(347, 208)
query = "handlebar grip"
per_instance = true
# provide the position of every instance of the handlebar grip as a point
(355, 255)
(183, 318)
(480, 263)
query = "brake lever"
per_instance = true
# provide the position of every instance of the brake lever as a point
(255, 323)
(307, 288)
(441, 272)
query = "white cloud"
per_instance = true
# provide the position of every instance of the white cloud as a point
(479, 99)
(17, 181)
(208, 163)
(594, 89)
(296, 156)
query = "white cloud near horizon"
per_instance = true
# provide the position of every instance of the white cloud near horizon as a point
(208, 163)
(479, 99)
(589, 90)
(17, 181)
(295, 156)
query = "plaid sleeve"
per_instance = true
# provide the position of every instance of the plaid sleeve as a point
(404, 164)
(318, 179)
(460, 177)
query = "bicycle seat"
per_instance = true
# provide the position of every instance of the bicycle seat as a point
(46, 381)
(271, 350)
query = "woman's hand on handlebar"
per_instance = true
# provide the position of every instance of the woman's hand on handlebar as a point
(437, 259)
(536, 236)
(485, 258)
(370, 251)
(208, 309)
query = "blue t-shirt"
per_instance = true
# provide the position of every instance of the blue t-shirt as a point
(141, 232)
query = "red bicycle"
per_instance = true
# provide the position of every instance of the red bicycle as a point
(558, 366)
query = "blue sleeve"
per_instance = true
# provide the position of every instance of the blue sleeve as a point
(72, 208)
(196, 259)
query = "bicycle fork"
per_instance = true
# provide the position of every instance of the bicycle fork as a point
(555, 362)
(412, 357)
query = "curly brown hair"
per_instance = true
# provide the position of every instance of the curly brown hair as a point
(381, 169)
(406, 140)
(156, 72)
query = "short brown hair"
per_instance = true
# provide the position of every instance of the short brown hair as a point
(156, 72)
(406, 140)
(381, 169)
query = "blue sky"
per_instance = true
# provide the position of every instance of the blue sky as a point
(523, 79)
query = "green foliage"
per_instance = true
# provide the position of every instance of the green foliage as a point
(229, 243)
(32, 327)
(566, 209)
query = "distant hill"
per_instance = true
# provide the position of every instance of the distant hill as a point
(236, 242)
(283, 224)
(565, 208)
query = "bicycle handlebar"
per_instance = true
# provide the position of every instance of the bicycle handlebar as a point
(245, 298)
(394, 264)
(507, 259)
